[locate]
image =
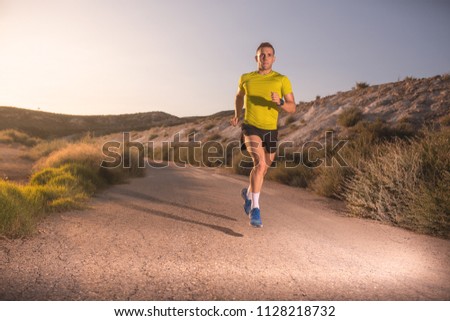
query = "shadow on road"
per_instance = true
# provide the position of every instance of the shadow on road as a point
(145, 197)
(225, 230)
(151, 211)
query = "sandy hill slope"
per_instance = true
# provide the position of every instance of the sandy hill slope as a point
(412, 101)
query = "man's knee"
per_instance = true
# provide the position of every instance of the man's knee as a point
(261, 168)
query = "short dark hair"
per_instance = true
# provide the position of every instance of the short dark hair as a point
(266, 45)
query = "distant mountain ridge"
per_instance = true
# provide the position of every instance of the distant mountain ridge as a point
(51, 125)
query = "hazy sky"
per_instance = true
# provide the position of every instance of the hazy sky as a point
(185, 57)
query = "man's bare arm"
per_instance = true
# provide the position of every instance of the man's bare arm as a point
(238, 105)
(289, 103)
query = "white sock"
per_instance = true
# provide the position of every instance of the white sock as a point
(255, 200)
(249, 193)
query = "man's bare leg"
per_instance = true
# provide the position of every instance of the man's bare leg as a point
(261, 163)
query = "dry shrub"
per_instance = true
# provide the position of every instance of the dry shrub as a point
(90, 155)
(160, 154)
(445, 121)
(361, 85)
(292, 174)
(330, 181)
(45, 148)
(380, 188)
(9, 136)
(406, 184)
(290, 120)
(214, 137)
(80, 153)
(350, 117)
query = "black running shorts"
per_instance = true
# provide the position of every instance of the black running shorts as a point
(269, 137)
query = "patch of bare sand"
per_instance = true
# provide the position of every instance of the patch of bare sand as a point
(12, 166)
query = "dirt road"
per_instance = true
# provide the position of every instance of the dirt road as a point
(181, 234)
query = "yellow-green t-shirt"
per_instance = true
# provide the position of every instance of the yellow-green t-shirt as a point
(260, 111)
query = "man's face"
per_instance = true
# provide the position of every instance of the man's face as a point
(265, 58)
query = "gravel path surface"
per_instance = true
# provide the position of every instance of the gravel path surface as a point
(181, 234)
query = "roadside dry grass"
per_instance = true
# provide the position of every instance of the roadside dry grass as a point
(406, 183)
(63, 178)
(401, 181)
(10, 136)
(44, 148)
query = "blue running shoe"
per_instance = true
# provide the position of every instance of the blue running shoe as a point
(247, 202)
(255, 217)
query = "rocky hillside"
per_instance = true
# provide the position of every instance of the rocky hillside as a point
(412, 101)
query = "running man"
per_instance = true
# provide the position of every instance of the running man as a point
(266, 93)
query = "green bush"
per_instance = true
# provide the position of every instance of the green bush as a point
(44, 199)
(73, 176)
(17, 215)
(65, 187)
